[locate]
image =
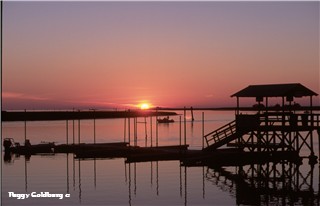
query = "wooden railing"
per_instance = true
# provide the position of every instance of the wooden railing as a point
(221, 133)
(245, 123)
(290, 119)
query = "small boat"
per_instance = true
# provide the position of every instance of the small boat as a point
(11, 146)
(165, 120)
(8, 144)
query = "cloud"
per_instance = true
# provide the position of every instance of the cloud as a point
(17, 95)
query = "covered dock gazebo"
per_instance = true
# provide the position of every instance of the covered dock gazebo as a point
(285, 91)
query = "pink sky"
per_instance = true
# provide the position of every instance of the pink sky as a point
(60, 55)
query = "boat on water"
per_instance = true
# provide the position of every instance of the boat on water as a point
(165, 120)
(14, 147)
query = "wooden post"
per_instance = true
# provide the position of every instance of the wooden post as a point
(180, 131)
(135, 131)
(67, 131)
(237, 106)
(94, 126)
(145, 130)
(311, 115)
(185, 126)
(310, 104)
(73, 125)
(157, 128)
(192, 118)
(151, 129)
(283, 116)
(202, 130)
(129, 129)
(79, 128)
(125, 128)
(267, 124)
(311, 144)
(25, 126)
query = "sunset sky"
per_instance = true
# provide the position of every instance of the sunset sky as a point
(60, 55)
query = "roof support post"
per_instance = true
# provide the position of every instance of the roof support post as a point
(311, 116)
(310, 104)
(237, 112)
(283, 117)
(267, 111)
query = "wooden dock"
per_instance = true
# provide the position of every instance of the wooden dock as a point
(187, 157)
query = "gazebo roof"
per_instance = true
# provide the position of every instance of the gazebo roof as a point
(275, 90)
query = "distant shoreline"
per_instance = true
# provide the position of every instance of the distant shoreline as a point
(232, 108)
(77, 115)
(30, 115)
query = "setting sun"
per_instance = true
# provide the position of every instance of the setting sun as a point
(144, 106)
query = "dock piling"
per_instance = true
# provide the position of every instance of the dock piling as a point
(185, 126)
(25, 127)
(67, 139)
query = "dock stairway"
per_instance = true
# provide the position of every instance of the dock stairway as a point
(222, 136)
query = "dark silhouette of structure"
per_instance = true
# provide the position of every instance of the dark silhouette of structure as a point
(271, 129)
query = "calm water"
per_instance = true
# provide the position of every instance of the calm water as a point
(114, 182)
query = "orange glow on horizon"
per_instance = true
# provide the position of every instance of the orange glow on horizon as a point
(144, 106)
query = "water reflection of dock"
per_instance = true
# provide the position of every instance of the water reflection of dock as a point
(280, 183)
(275, 184)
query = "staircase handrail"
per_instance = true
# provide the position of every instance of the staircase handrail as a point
(221, 133)
(221, 128)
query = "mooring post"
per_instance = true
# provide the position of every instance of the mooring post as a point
(192, 118)
(202, 130)
(25, 126)
(157, 128)
(151, 130)
(125, 128)
(134, 131)
(180, 131)
(79, 128)
(67, 131)
(145, 129)
(73, 124)
(94, 126)
(129, 130)
(185, 126)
